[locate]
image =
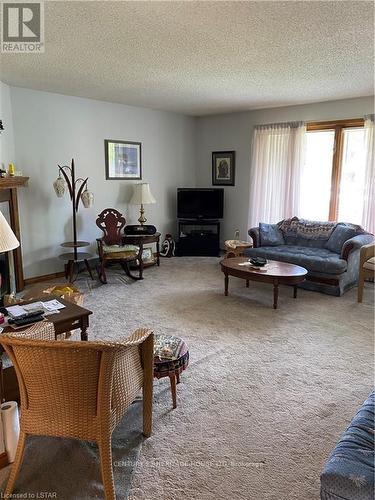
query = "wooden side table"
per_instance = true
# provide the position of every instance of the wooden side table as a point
(235, 248)
(73, 257)
(141, 240)
(72, 317)
(171, 358)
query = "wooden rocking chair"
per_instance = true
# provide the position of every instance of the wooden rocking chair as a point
(111, 248)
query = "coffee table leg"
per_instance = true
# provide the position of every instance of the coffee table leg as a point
(172, 378)
(226, 281)
(247, 283)
(295, 292)
(275, 294)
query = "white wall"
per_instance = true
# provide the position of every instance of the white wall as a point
(234, 132)
(176, 150)
(6, 136)
(51, 129)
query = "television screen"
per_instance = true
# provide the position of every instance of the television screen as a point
(200, 203)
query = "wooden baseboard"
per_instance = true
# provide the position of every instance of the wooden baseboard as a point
(44, 277)
(3, 460)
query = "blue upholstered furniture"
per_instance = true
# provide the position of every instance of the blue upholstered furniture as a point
(349, 471)
(328, 250)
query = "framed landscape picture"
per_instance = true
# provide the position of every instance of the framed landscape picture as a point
(123, 159)
(223, 165)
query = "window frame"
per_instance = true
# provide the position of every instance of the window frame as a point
(338, 126)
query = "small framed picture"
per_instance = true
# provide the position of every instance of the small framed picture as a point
(223, 165)
(148, 258)
(123, 160)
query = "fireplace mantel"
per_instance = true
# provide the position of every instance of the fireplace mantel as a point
(12, 182)
(8, 193)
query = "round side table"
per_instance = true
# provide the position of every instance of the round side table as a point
(74, 257)
(235, 248)
(171, 357)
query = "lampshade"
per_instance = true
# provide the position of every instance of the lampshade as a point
(8, 240)
(142, 194)
(87, 198)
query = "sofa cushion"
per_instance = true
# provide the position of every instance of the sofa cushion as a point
(338, 237)
(349, 472)
(300, 241)
(120, 248)
(313, 259)
(270, 235)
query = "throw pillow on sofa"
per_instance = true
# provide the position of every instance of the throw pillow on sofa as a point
(270, 235)
(338, 237)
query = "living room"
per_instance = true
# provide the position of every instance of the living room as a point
(265, 385)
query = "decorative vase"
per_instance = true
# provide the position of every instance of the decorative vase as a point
(11, 170)
(59, 186)
(87, 198)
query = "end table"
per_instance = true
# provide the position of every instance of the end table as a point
(235, 248)
(140, 240)
(74, 257)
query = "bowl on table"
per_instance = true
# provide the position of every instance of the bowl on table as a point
(258, 261)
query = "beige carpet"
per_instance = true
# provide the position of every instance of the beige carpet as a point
(267, 393)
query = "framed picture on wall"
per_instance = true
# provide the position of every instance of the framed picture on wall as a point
(123, 160)
(223, 165)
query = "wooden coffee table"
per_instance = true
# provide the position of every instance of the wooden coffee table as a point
(275, 273)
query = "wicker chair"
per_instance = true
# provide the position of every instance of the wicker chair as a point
(80, 390)
(366, 267)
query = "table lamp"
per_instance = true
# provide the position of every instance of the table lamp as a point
(142, 196)
(8, 240)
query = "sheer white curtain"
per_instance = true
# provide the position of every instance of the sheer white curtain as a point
(368, 215)
(276, 168)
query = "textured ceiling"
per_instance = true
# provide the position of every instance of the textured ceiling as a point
(202, 57)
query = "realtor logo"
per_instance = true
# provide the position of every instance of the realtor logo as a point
(22, 27)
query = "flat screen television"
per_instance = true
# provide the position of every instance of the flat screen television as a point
(200, 203)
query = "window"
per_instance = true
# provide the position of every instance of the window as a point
(317, 173)
(333, 176)
(352, 182)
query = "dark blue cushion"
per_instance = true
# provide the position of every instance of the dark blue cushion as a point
(338, 237)
(318, 260)
(270, 235)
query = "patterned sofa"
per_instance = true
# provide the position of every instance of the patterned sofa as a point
(349, 471)
(328, 250)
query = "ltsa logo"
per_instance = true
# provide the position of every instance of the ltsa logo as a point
(22, 27)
